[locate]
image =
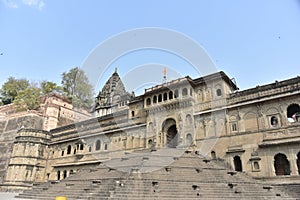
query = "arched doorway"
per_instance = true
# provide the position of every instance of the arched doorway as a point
(170, 129)
(237, 164)
(293, 112)
(172, 139)
(281, 165)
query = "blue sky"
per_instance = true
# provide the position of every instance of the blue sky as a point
(254, 41)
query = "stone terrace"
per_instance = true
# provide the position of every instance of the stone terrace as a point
(162, 174)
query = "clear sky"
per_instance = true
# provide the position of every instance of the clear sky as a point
(254, 41)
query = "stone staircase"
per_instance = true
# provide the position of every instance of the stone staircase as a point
(293, 189)
(162, 174)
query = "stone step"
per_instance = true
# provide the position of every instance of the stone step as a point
(186, 177)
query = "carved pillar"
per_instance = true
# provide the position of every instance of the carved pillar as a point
(214, 125)
(204, 127)
(164, 138)
(261, 120)
(124, 143)
(293, 165)
(283, 117)
(226, 123)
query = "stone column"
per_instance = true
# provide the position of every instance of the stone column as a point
(293, 165)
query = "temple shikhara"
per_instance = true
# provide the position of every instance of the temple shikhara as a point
(201, 138)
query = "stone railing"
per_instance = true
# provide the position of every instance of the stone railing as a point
(211, 105)
(166, 85)
(281, 134)
(265, 91)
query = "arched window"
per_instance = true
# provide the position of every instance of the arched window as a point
(71, 171)
(274, 121)
(65, 174)
(155, 99)
(256, 165)
(191, 91)
(281, 165)
(98, 145)
(69, 149)
(74, 151)
(184, 92)
(62, 153)
(159, 98)
(219, 92)
(148, 102)
(170, 95)
(213, 155)
(150, 143)
(58, 175)
(90, 149)
(132, 113)
(176, 94)
(293, 112)
(237, 164)
(81, 146)
(105, 146)
(165, 96)
(234, 126)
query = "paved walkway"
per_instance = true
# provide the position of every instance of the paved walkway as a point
(8, 196)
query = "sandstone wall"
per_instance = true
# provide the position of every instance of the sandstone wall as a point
(8, 130)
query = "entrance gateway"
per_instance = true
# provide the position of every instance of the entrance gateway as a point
(170, 130)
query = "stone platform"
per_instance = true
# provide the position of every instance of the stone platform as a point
(162, 174)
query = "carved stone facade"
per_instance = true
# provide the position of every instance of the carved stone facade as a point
(58, 111)
(255, 131)
(112, 98)
(55, 111)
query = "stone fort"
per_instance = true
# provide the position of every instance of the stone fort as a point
(253, 132)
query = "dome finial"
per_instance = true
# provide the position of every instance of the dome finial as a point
(116, 70)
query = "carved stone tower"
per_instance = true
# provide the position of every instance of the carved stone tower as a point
(113, 97)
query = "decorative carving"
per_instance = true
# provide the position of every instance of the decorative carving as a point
(179, 118)
(112, 93)
(259, 110)
(238, 114)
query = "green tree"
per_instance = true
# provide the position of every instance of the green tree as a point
(48, 86)
(28, 99)
(11, 88)
(76, 84)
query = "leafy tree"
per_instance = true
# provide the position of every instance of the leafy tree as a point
(11, 88)
(48, 86)
(28, 99)
(76, 84)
